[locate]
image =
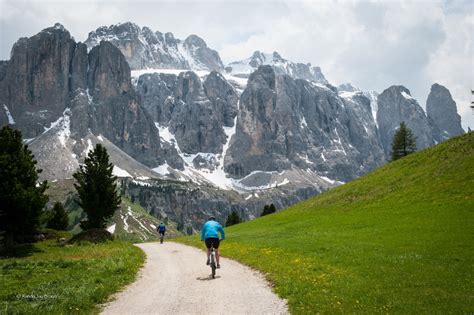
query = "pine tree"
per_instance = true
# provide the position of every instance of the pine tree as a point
(404, 142)
(58, 219)
(22, 199)
(272, 208)
(97, 189)
(233, 218)
(268, 209)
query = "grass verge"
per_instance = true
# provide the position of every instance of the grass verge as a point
(50, 279)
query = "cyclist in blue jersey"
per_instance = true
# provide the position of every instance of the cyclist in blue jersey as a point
(210, 235)
(161, 229)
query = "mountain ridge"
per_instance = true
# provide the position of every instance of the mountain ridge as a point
(261, 137)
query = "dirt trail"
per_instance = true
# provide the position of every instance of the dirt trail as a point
(175, 280)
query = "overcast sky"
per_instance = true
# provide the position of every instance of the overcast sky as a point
(371, 44)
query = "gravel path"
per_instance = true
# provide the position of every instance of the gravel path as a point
(175, 280)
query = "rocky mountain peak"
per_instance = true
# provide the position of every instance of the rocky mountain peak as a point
(56, 28)
(59, 26)
(396, 105)
(442, 113)
(144, 48)
(277, 56)
(169, 38)
(244, 68)
(196, 41)
(347, 87)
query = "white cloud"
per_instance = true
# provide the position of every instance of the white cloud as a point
(371, 44)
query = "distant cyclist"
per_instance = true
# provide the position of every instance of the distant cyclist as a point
(161, 230)
(210, 234)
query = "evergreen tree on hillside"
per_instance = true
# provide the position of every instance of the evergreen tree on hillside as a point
(232, 219)
(22, 199)
(404, 142)
(97, 189)
(268, 209)
(58, 219)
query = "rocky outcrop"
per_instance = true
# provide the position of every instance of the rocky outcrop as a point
(284, 123)
(281, 66)
(371, 95)
(144, 48)
(202, 57)
(195, 112)
(396, 105)
(190, 205)
(36, 81)
(156, 91)
(120, 116)
(442, 114)
(51, 81)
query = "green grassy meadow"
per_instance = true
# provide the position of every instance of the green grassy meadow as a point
(398, 240)
(46, 278)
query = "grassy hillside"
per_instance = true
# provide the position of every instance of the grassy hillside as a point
(133, 223)
(46, 278)
(399, 240)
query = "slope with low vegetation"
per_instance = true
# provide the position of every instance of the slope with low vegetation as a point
(398, 240)
(47, 278)
(133, 223)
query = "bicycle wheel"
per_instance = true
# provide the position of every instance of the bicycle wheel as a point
(213, 265)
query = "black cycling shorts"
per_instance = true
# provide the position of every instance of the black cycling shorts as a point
(214, 241)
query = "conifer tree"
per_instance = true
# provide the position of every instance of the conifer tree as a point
(22, 198)
(97, 189)
(268, 209)
(232, 219)
(404, 142)
(59, 219)
(272, 208)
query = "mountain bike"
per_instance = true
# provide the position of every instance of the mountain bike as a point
(161, 237)
(213, 263)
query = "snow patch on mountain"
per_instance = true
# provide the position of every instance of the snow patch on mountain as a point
(117, 171)
(244, 68)
(162, 169)
(11, 121)
(407, 96)
(89, 147)
(111, 229)
(144, 48)
(65, 127)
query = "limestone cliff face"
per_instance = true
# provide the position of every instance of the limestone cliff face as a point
(36, 81)
(284, 123)
(50, 80)
(195, 111)
(119, 115)
(395, 105)
(442, 114)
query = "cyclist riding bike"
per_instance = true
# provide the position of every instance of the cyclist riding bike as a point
(210, 235)
(161, 230)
